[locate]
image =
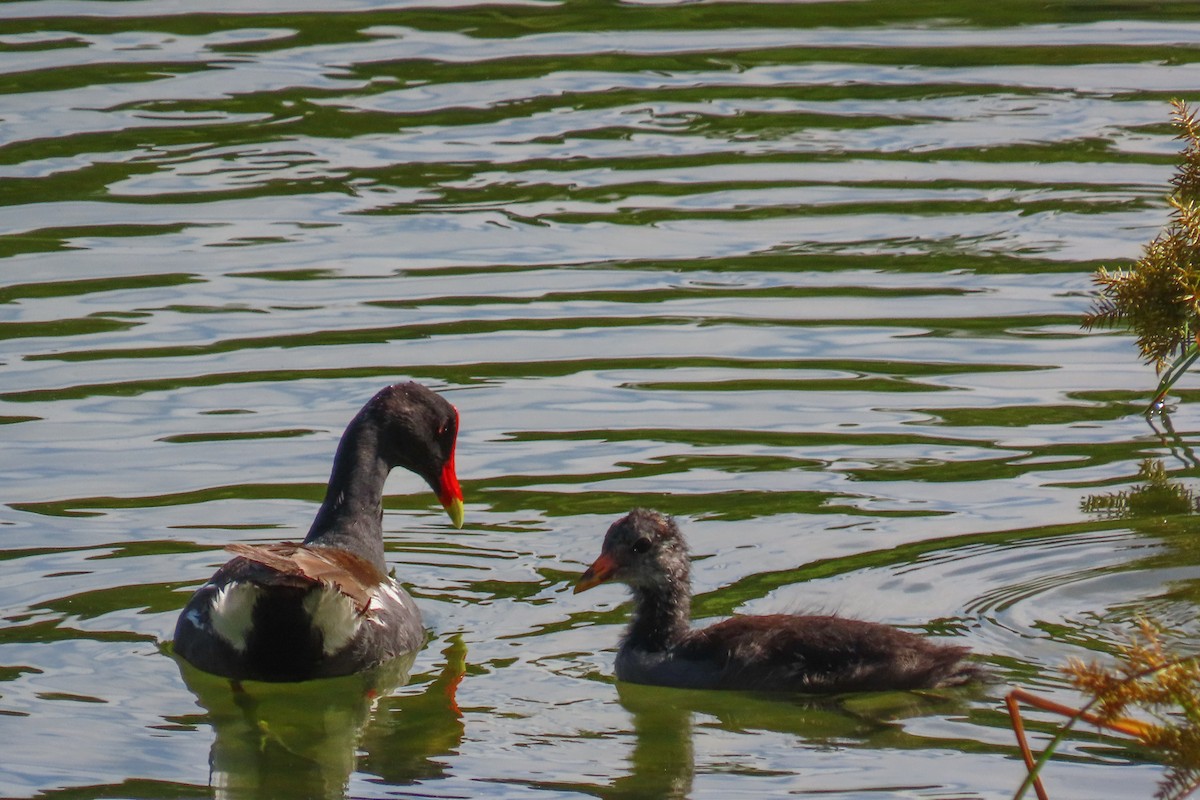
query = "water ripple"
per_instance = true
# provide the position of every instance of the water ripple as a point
(807, 276)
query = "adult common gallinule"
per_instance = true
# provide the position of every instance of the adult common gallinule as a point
(777, 652)
(327, 607)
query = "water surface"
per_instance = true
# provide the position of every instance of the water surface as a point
(807, 276)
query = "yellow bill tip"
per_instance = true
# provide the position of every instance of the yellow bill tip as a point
(456, 511)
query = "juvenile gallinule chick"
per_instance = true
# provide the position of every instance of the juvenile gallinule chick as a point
(778, 652)
(291, 612)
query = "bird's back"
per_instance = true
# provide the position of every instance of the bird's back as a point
(259, 619)
(784, 652)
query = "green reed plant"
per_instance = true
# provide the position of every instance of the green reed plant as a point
(1149, 691)
(1149, 677)
(1158, 298)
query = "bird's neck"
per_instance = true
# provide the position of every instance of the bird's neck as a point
(661, 615)
(351, 516)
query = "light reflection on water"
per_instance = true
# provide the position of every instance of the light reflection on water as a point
(810, 285)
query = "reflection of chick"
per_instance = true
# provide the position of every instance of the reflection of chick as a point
(665, 724)
(779, 652)
(413, 734)
(662, 763)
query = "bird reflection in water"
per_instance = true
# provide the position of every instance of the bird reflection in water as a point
(665, 722)
(304, 740)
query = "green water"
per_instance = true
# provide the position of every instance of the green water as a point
(807, 276)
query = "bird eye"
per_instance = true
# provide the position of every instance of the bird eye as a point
(641, 545)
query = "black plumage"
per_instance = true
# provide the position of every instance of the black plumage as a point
(327, 607)
(777, 652)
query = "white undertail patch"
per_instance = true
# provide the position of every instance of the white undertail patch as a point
(232, 613)
(334, 615)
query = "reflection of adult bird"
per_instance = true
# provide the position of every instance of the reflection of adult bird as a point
(306, 739)
(295, 740)
(327, 607)
(778, 652)
(412, 736)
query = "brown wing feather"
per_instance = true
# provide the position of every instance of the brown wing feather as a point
(353, 576)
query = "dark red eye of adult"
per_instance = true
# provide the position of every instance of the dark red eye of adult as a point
(641, 545)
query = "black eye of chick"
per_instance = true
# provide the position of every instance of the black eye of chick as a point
(641, 545)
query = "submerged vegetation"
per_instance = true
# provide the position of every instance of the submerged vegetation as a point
(1158, 298)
